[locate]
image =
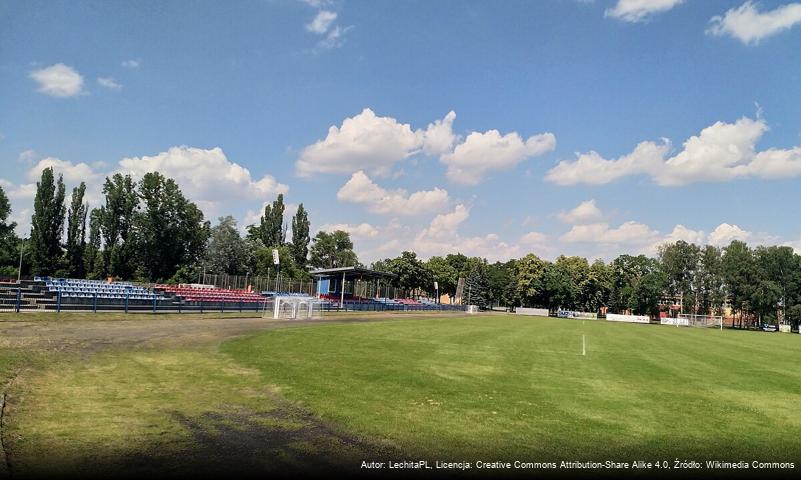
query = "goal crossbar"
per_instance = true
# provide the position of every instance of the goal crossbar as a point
(695, 320)
(295, 307)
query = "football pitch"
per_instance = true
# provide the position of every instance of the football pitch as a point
(502, 387)
(176, 395)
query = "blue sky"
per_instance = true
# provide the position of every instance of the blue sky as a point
(579, 127)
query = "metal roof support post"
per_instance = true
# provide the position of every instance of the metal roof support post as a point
(342, 291)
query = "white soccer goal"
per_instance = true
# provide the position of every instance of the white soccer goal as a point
(296, 307)
(693, 320)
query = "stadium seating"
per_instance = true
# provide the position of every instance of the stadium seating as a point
(194, 294)
(78, 288)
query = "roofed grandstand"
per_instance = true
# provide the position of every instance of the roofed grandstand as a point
(46, 293)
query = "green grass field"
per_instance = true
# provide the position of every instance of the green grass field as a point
(503, 386)
(441, 387)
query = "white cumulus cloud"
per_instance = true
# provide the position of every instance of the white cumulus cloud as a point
(58, 80)
(439, 137)
(680, 232)
(109, 82)
(639, 10)
(442, 236)
(721, 152)
(362, 230)
(376, 144)
(321, 22)
(725, 233)
(591, 168)
(630, 233)
(481, 153)
(747, 24)
(585, 212)
(361, 189)
(206, 176)
(363, 142)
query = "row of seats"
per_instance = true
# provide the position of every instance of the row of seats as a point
(192, 294)
(78, 288)
(270, 293)
(383, 300)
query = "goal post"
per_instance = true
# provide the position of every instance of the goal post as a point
(694, 320)
(295, 307)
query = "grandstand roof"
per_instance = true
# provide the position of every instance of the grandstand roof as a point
(351, 272)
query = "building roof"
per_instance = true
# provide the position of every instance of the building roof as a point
(351, 272)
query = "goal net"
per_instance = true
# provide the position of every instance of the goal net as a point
(295, 307)
(693, 320)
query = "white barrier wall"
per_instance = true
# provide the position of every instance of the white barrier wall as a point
(577, 315)
(614, 317)
(685, 322)
(540, 312)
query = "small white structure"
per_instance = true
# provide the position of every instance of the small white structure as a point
(539, 312)
(472, 309)
(614, 317)
(296, 307)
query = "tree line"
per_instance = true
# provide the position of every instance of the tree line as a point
(753, 285)
(148, 230)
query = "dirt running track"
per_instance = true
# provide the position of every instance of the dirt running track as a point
(241, 443)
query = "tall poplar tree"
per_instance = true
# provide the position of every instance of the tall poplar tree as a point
(47, 223)
(76, 233)
(93, 256)
(300, 236)
(116, 221)
(9, 243)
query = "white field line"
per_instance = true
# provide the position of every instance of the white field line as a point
(583, 345)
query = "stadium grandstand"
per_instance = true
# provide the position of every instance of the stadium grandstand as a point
(359, 288)
(208, 293)
(349, 288)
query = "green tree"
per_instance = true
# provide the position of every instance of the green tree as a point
(227, 252)
(270, 229)
(598, 287)
(530, 281)
(710, 285)
(9, 243)
(637, 285)
(680, 263)
(565, 281)
(739, 271)
(288, 270)
(117, 217)
(777, 285)
(171, 231)
(476, 286)
(300, 237)
(501, 283)
(444, 274)
(411, 273)
(76, 233)
(47, 224)
(93, 255)
(332, 250)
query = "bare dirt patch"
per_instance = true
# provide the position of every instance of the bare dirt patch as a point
(233, 435)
